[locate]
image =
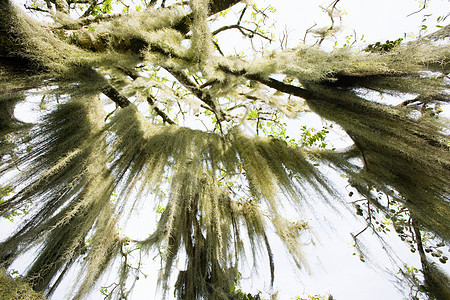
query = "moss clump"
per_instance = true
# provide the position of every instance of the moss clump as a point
(16, 289)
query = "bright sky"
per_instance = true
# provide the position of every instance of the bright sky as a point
(376, 20)
(333, 268)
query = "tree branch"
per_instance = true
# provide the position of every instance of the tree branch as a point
(442, 33)
(272, 83)
(418, 11)
(199, 93)
(216, 6)
(87, 19)
(113, 94)
(220, 5)
(36, 9)
(241, 29)
(151, 100)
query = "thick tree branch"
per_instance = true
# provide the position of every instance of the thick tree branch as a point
(116, 96)
(282, 87)
(272, 83)
(220, 5)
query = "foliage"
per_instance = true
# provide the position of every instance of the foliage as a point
(85, 167)
(387, 46)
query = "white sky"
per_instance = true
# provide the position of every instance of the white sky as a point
(333, 267)
(379, 20)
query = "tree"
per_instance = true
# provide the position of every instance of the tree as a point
(80, 171)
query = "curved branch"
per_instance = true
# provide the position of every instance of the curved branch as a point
(241, 29)
(418, 11)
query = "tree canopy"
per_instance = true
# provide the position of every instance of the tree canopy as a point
(119, 87)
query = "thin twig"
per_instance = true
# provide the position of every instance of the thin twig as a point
(36, 9)
(307, 31)
(416, 12)
(251, 33)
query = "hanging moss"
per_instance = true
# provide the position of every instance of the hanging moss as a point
(201, 35)
(408, 155)
(77, 161)
(71, 186)
(312, 64)
(19, 288)
(70, 171)
(199, 213)
(201, 218)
